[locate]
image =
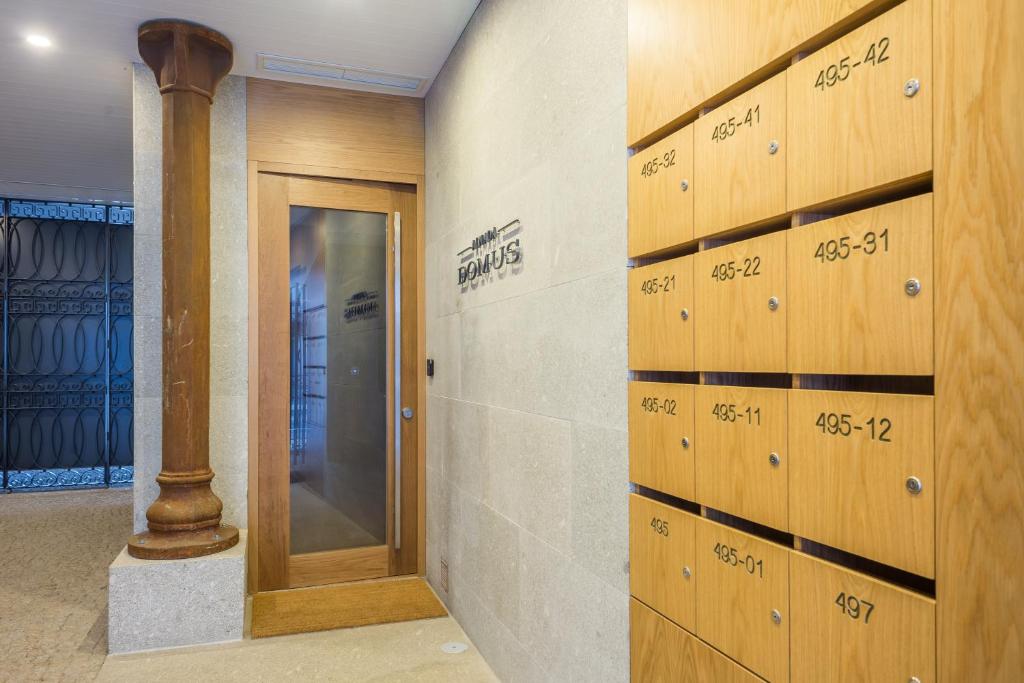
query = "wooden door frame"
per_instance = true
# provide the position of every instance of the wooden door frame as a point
(264, 575)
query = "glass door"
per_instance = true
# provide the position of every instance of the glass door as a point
(340, 489)
(338, 398)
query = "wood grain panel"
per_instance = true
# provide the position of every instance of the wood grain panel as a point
(851, 127)
(979, 316)
(343, 605)
(660, 336)
(661, 195)
(735, 328)
(847, 284)
(272, 363)
(850, 455)
(849, 627)
(335, 566)
(253, 409)
(661, 559)
(685, 52)
(660, 419)
(740, 581)
(661, 652)
(412, 552)
(738, 180)
(302, 124)
(737, 430)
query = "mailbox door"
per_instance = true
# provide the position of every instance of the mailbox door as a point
(660, 333)
(661, 194)
(740, 294)
(856, 119)
(661, 437)
(743, 598)
(661, 652)
(852, 458)
(850, 627)
(661, 559)
(738, 430)
(740, 160)
(863, 282)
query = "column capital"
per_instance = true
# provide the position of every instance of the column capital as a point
(185, 56)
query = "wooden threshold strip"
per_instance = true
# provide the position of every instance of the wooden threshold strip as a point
(322, 608)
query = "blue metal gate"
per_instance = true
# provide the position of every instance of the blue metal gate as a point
(67, 344)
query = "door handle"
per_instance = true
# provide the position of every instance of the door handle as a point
(399, 412)
(407, 413)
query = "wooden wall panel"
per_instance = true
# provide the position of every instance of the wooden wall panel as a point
(301, 124)
(684, 52)
(979, 325)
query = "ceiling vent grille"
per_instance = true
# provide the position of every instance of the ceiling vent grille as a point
(333, 72)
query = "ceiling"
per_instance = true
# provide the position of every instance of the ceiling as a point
(65, 111)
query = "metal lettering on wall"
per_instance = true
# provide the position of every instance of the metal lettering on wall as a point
(67, 362)
(495, 252)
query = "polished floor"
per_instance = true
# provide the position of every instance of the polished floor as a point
(55, 548)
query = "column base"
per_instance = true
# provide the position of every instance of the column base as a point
(180, 545)
(176, 603)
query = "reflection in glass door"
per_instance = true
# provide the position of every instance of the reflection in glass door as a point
(338, 445)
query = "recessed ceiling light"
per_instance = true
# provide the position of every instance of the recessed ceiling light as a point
(38, 40)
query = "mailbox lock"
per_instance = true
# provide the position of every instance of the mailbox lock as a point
(776, 616)
(774, 459)
(684, 314)
(914, 485)
(687, 573)
(684, 185)
(773, 303)
(912, 286)
(911, 87)
(773, 146)
(686, 442)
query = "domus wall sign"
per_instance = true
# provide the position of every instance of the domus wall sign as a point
(494, 251)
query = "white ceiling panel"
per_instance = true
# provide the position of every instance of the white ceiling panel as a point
(65, 111)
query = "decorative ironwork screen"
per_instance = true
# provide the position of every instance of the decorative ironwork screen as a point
(67, 344)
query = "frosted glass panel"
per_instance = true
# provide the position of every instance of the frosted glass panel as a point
(338, 437)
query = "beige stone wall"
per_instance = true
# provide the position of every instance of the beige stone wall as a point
(527, 451)
(228, 295)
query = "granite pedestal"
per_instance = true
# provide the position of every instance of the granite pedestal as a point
(156, 604)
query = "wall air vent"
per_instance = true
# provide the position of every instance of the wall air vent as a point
(335, 72)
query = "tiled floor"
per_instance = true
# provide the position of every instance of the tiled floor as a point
(55, 548)
(409, 651)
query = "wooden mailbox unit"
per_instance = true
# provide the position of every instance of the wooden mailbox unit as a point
(826, 335)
